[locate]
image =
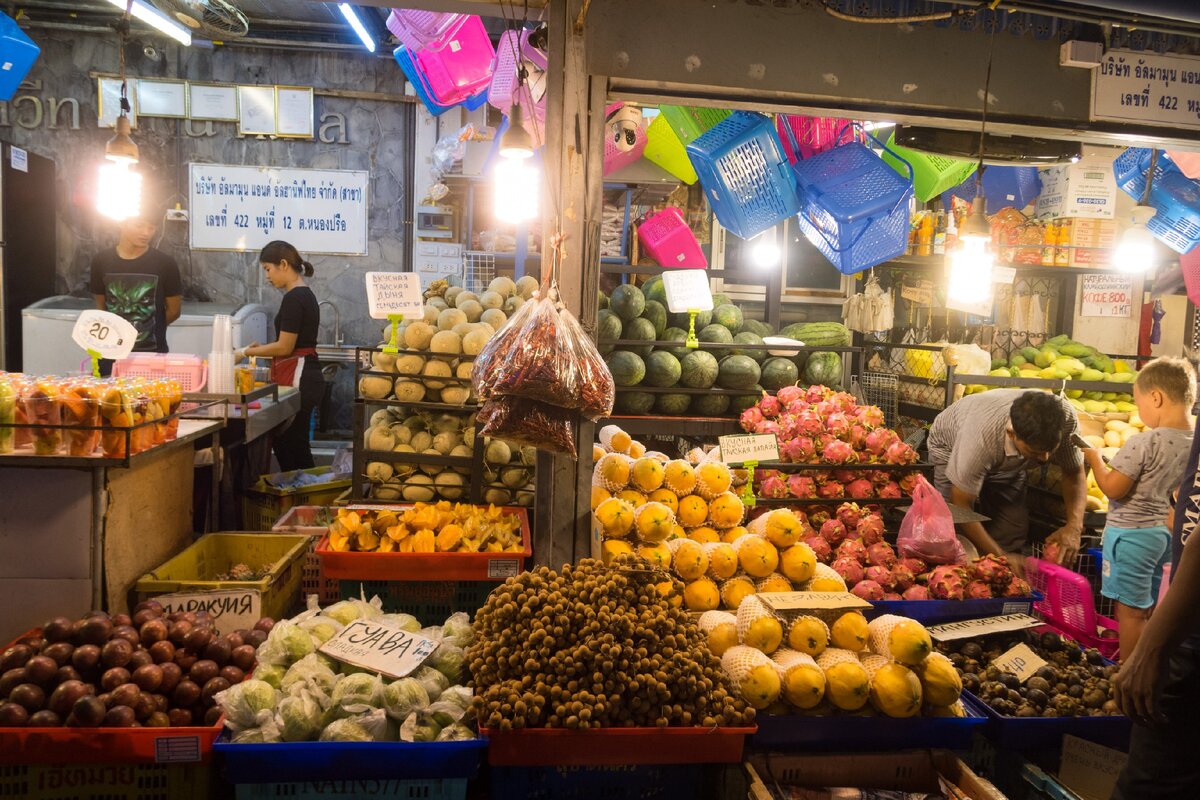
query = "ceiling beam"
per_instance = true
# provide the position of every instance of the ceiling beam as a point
(484, 8)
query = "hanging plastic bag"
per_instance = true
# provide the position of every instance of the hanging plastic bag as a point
(498, 350)
(597, 392)
(927, 531)
(543, 366)
(528, 422)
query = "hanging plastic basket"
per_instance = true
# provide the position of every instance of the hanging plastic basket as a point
(931, 174)
(692, 122)
(461, 66)
(404, 59)
(664, 149)
(670, 242)
(1004, 187)
(614, 157)
(416, 29)
(812, 135)
(745, 176)
(1174, 196)
(854, 207)
(1188, 162)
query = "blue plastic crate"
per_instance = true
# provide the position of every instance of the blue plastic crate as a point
(353, 789)
(1036, 733)
(429, 601)
(1175, 196)
(636, 782)
(935, 612)
(744, 174)
(850, 732)
(404, 59)
(1005, 187)
(854, 207)
(17, 54)
(292, 762)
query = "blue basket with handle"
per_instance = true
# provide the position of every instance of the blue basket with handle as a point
(1004, 187)
(404, 59)
(854, 207)
(744, 174)
(1175, 196)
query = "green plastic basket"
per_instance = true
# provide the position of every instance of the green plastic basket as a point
(932, 174)
(690, 122)
(664, 149)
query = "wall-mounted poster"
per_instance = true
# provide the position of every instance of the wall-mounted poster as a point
(162, 98)
(108, 103)
(294, 111)
(256, 111)
(210, 101)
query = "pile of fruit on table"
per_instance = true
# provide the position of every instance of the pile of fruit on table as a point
(426, 528)
(1063, 359)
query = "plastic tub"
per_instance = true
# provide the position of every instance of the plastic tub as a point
(666, 237)
(404, 59)
(549, 747)
(416, 29)
(1068, 605)
(290, 762)
(190, 371)
(460, 65)
(664, 149)
(691, 122)
(856, 733)
(1004, 187)
(504, 75)
(935, 612)
(931, 174)
(1174, 196)
(1037, 733)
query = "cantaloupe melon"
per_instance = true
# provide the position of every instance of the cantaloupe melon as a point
(410, 391)
(446, 343)
(471, 308)
(451, 317)
(503, 286)
(490, 299)
(374, 387)
(494, 317)
(436, 369)
(418, 336)
(473, 342)
(410, 364)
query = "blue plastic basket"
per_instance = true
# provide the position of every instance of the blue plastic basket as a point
(1036, 733)
(935, 612)
(18, 52)
(1005, 187)
(1175, 196)
(745, 176)
(638, 782)
(404, 59)
(850, 732)
(854, 207)
(354, 788)
(291, 762)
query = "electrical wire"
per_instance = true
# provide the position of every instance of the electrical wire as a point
(987, 96)
(932, 17)
(1145, 201)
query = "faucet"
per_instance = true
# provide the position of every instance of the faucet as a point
(337, 322)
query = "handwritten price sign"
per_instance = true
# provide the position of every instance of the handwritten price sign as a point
(105, 333)
(379, 647)
(1106, 295)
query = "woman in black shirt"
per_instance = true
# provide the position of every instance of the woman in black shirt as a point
(294, 352)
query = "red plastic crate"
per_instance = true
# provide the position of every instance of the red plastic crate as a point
(541, 747)
(188, 745)
(426, 566)
(305, 520)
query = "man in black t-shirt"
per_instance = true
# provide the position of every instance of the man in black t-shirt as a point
(139, 283)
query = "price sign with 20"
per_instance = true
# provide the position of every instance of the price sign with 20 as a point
(105, 333)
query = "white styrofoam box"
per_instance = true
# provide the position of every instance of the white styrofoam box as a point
(1085, 189)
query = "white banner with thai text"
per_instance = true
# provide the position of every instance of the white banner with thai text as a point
(1133, 86)
(320, 211)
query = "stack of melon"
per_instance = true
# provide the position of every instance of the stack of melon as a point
(437, 351)
(508, 469)
(1064, 359)
(663, 362)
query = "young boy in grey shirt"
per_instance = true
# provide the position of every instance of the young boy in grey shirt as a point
(1137, 544)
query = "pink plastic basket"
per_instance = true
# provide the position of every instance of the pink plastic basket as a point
(1189, 262)
(191, 371)
(813, 135)
(416, 29)
(459, 64)
(504, 74)
(1188, 163)
(615, 158)
(1068, 605)
(669, 240)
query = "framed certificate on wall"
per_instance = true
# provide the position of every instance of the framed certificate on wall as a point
(294, 111)
(162, 98)
(256, 110)
(211, 101)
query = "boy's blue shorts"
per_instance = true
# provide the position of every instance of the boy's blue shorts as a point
(1133, 564)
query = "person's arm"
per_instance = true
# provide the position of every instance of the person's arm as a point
(1069, 536)
(974, 531)
(1114, 484)
(281, 348)
(172, 288)
(1174, 620)
(100, 302)
(174, 308)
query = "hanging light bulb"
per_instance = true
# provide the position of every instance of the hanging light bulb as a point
(119, 193)
(766, 253)
(516, 180)
(1135, 251)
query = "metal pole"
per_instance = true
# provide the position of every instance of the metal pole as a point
(99, 512)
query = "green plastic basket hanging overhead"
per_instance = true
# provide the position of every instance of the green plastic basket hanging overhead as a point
(932, 174)
(664, 149)
(690, 122)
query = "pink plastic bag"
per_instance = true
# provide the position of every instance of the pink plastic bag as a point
(927, 531)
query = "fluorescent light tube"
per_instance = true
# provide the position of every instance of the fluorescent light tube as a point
(157, 20)
(356, 23)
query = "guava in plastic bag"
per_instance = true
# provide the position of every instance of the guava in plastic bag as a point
(446, 713)
(455, 733)
(457, 630)
(421, 726)
(405, 622)
(403, 697)
(300, 717)
(375, 723)
(345, 730)
(459, 696)
(322, 628)
(312, 674)
(434, 682)
(286, 644)
(360, 689)
(448, 660)
(248, 704)
(347, 611)
(271, 673)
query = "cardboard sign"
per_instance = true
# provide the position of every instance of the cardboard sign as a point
(1107, 294)
(922, 294)
(970, 628)
(379, 647)
(1089, 769)
(687, 290)
(231, 609)
(817, 601)
(1020, 661)
(757, 447)
(104, 332)
(394, 293)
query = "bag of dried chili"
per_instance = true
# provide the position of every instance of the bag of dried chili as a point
(596, 388)
(529, 422)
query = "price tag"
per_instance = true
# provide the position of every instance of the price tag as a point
(743, 448)
(379, 647)
(1004, 275)
(970, 628)
(815, 601)
(687, 290)
(921, 294)
(1020, 661)
(394, 294)
(104, 333)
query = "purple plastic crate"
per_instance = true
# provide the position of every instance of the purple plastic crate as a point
(790, 732)
(935, 612)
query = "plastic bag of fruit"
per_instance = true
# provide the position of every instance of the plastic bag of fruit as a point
(927, 531)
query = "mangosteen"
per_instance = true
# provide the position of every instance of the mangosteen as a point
(1051, 642)
(1026, 711)
(1009, 680)
(972, 650)
(1037, 697)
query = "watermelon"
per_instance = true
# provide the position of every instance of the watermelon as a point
(746, 337)
(709, 405)
(627, 302)
(717, 334)
(654, 290)
(698, 370)
(627, 368)
(703, 319)
(778, 372)
(737, 372)
(741, 402)
(674, 335)
(757, 326)
(824, 368)
(656, 312)
(672, 404)
(662, 369)
(815, 334)
(641, 330)
(730, 316)
(603, 300)
(608, 328)
(721, 300)
(634, 402)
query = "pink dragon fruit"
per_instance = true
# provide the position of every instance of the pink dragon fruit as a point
(849, 515)
(868, 590)
(857, 437)
(899, 453)
(845, 475)
(802, 486)
(1018, 588)
(820, 547)
(870, 529)
(890, 490)
(770, 406)
(881, 554)
(838, 452)
(902, 577)
(851, 571)
(916, 592)
(878, 477)
(946, 583)
(844, 401)
(860, 489)
(831, 490)
(809, 424)
(851, 548)
(909, 482)
(767, 426)
(978, 590)
(882, 576)
(750, 419)
(773, 487)
(825, 408)
(992, 569)
(870, 416)
(788, 394)
(879, 439)
(816, 393)
(799, 450)
(833, 532)
(817, 516)
(838, 424)
(914, 565)
(892, 596)
(797, 407)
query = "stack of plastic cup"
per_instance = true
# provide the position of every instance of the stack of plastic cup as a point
(220, 360)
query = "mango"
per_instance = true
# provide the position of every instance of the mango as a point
(1091, 374)
(1071, 366)
(1059, 340)
(1110, 407)
(1076, 404)
(1112, 438)
(1054, 374)
(1000, 372)
(1093, 406)
(1122, 377)
(1121, 366)
(999, 363)
(1126, 407)
(1029, 354)
(1018, 360)
(1093, 395)
(1076, 350)
(1096, 442)
(1074, 394)
(1046, 356)
(1102, 363)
